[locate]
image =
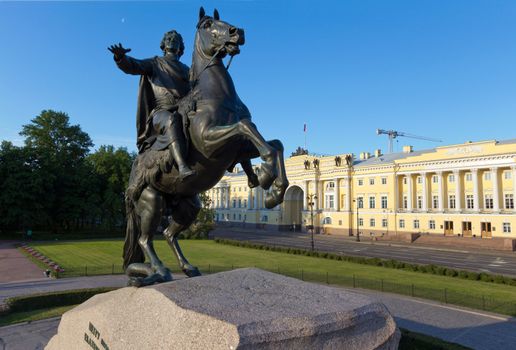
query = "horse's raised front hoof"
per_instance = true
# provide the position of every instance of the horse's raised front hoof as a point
(266, 176)
(191, 271)
(252, 181)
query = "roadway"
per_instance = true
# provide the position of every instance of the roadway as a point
(494, 262)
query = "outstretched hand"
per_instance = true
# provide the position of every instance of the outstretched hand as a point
(118, 51)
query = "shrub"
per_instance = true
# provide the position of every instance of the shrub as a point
(40, 301)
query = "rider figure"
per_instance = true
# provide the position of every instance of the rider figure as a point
(164, 81)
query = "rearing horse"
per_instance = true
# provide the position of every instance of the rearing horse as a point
(221, 135)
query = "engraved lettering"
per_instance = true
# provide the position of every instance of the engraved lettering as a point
(94, 331)
(90, 342)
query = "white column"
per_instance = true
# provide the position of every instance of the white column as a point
(458, 191)
(307, 188)
(218, 197)
(321, 194)
(337, 194)
(348, 194)
(440, 190)
(409, 191)
(318, 194)
(228, 199)
(425, 192)
(496, 190)
(248, 199)
(476, 199)
(514, 185)
(396, 193)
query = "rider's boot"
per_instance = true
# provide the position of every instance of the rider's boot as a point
(177, 153)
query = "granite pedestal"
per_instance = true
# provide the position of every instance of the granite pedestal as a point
(240, 309)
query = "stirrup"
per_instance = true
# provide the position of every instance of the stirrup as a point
(186, 173)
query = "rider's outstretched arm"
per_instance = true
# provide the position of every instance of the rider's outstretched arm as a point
(128, 64)
(135, 66)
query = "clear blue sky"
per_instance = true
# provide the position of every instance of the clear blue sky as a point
(442, 69)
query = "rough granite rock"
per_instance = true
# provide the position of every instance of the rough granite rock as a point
(240, 309)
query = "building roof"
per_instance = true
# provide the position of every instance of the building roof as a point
(389, 158)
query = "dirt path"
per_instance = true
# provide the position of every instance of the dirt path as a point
(14, 266)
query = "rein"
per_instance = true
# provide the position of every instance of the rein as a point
(209, 62)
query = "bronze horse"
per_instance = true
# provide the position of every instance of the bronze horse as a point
(221, 135)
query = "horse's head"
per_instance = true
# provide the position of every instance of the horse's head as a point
(217, 37)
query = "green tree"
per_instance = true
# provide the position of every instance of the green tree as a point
(59, 150)
(21, 192)
(112, 168)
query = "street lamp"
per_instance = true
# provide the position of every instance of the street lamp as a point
(357, 201)
(310, 200)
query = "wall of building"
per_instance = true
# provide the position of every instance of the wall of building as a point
(458, 190)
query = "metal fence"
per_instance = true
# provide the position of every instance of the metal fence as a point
(443, 295)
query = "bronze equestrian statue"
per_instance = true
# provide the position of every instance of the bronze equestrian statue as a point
(218, 134)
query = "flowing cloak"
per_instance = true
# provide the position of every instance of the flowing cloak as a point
(156, 73)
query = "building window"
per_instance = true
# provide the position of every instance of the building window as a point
(487, 175)
(371, 181)
(431, 224)
(327, 221)
(451, 201)
(234, 216)
(405, 202)
(470, 202)
(372, 202)
(372, 222)
(507, 175)
(234, 203)
(239, 217)
(239, 203)
(330, 185)
(488, 201)
(402, 223)
(360, 202)
(435, 179)
(416, 223)
(384, 202)
(419, 180)
(469, 176)
(340, 222)
(360, 182)
(404, 180)
(509, 201)
(330, 201)
(360, 222)
(419, 202)
(435, 202)
(245, 203)
(384, 222)
(265, 218)
(506, 227)
(451, 178)
(384, 181)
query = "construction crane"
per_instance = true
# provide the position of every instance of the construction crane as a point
(394, 134)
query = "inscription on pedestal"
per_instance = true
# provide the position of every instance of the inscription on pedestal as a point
(94, 336)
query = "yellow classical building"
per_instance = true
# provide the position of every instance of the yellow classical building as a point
(464, 190)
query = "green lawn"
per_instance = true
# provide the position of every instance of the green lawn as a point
(105, 256)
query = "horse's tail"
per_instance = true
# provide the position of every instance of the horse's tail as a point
(133, 253)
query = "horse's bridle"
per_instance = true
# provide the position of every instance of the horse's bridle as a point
(210, 61)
